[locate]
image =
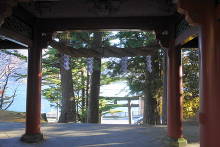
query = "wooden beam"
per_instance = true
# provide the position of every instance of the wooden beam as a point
(189, 8)
(105, 52)
(218, 12)
(15, 37)
(6, 9)
(132, 105)
(5, 44)
(187, 35)
(121, 98)
(24, 15)
(109, 23)
(192, 44)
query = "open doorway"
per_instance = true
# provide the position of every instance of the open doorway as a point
(130, 58)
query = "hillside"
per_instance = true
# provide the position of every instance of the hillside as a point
(11, 116)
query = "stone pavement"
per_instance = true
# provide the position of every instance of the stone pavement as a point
(86, 135)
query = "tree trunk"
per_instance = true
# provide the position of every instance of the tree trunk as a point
(87, 90)
(164, 102)
(93, 109)
(68, 108)
(149, 107)
(83, 119)
(151, 110)
(87, 97)
(147, 100)
(100, 117)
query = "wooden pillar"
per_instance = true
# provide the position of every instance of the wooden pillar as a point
(129, 111)
(174, 82)
(33, 103)
(174, 87)
(209, 83)
(206, 15)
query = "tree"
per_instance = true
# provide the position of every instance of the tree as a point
(93, 109)
(68, 108)
(164, 101)
(141, 81)
(53, 68)
(89, 40)
(75, 80)
(190, 61)
(106, 107)
(51, 82)
(9, 72)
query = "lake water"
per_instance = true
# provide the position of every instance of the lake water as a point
(19, 104)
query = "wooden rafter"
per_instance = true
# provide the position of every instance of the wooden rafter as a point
(15, 37)
(187, 35)
(6, 7)
(105, 52)
(141, 23)
(5, 44)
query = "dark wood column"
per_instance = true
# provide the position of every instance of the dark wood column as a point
(207, 17)
(209, 83)
(33, 104)
(174, 83)
(174, 93)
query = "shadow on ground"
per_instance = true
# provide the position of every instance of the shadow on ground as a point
(86, 135)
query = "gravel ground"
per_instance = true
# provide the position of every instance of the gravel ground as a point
(92, 135)
(191, 133)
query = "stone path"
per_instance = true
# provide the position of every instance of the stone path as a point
(86, 135)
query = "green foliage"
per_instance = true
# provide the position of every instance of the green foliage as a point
(107, 106)
(190, 107)
(141, 82)
(51, 77)
(14, 53)
(51, 70)
(137, 76)
(135, 39)
(53, 94)
(190, 59)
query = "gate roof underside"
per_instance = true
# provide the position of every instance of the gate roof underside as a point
(59, 15)
(99, 8)
(62, 15)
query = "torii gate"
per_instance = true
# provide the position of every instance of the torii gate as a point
(128, 105)
(24, 26)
